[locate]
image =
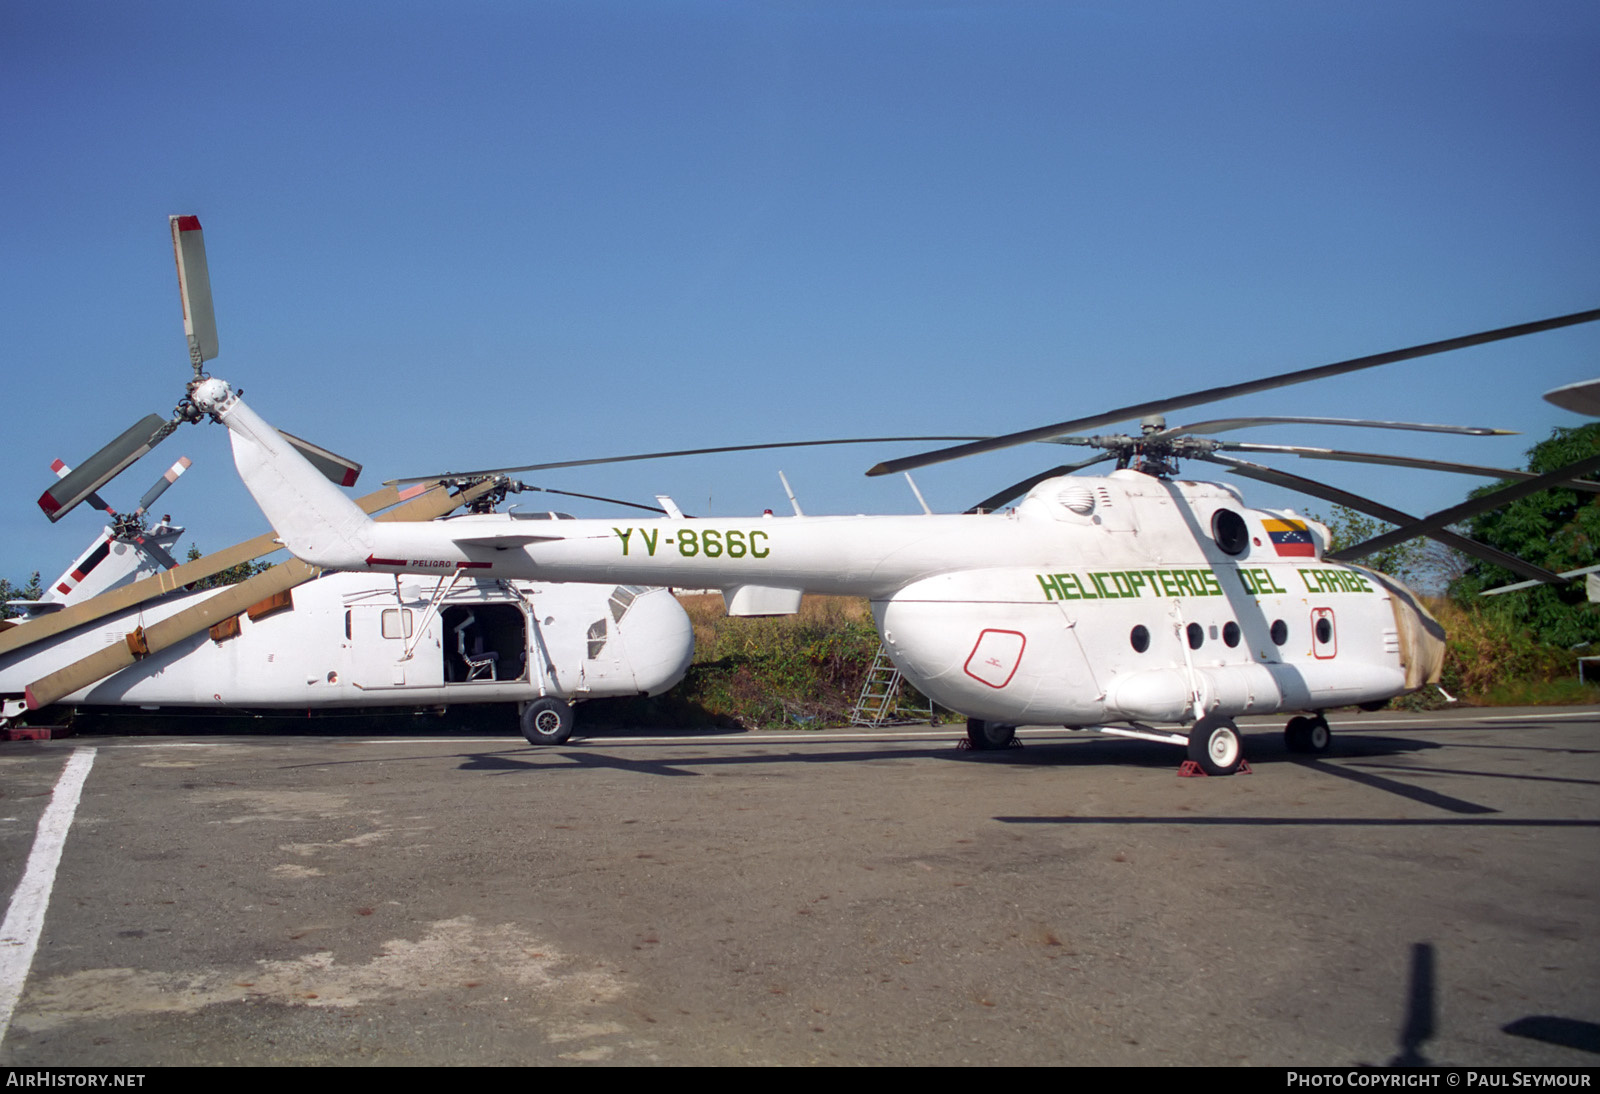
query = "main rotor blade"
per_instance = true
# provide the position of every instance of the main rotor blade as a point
(1585, 485)
(225, 605)
(1229, 391)
(597, 497)
(166, 480)
(670, 455)
(1429, 525)
(1223, 425)
(1385, 513)
(100, 468)
(996, 500)
(1582, 397)
(334, 467)
(194, 287)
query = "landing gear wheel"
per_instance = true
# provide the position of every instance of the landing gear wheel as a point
(1216, 747)
(987, 736)
(1308, 735)
(546, 721)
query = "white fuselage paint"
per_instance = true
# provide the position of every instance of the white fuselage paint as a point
(335, 648)
(1022, 617)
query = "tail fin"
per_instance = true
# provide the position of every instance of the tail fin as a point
(312, 517)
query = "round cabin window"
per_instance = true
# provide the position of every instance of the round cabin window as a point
(1230, 634)
(1139, 639)
(1197, 635)
(1280, 632)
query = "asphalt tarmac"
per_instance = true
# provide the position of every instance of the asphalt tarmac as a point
(1427, 892)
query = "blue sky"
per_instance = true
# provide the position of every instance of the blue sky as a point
(445, 236)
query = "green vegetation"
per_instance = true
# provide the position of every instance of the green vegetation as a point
(231, 576)
(8, 591)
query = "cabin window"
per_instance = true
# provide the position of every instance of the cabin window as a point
(1197, 636)
(1324, 630)
(1230, 531)
(1280, 632)
(1230, 634)
(1139, 639)
(397, 622)
(597, 638)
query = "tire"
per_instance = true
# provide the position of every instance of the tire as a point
(1216, 747)
(989, 736)
(1308, 735)
(547, 721)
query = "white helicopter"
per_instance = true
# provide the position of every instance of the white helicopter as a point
(118, 629)
(1108, 603)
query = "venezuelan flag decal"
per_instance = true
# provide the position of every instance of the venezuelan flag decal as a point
(1290, 537)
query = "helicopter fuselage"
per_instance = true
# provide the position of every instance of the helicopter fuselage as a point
(1122, 598)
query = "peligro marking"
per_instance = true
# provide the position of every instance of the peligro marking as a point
(708, 542)
(428, 563)
(1124, 584)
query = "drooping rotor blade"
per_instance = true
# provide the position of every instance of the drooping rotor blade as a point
(1429, 525)
(1585, 485)
(1582, 397)
(1223, 425)
(1385, 513)
(194, 286)
(996, 500)
(144, 641)
(597, 497)
(670, 455)
(76, 615)
(334, 467)
(1520, 585)
(1229, 391)
(103, 466)
(166, 480)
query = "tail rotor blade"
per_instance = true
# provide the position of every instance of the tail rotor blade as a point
(76, 485)
(162, 483)
(194, 286)
(334, 467)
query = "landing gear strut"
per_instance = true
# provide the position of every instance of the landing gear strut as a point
(1308, 735)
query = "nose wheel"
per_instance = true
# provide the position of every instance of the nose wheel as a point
(1309, 736)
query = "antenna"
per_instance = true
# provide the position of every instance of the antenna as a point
(792, 499)
(918, 493)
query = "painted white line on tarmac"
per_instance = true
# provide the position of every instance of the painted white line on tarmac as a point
(19, 935)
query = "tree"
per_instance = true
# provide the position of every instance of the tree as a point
(231, 576)
(8, 591)
(1556, 529)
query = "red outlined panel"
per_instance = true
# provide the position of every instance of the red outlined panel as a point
(995, 657)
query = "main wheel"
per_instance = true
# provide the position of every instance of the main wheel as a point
(1308, 735)
(1216, 747)
(989, 735)
(547, 721)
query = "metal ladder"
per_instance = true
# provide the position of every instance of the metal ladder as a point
(879, 694)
